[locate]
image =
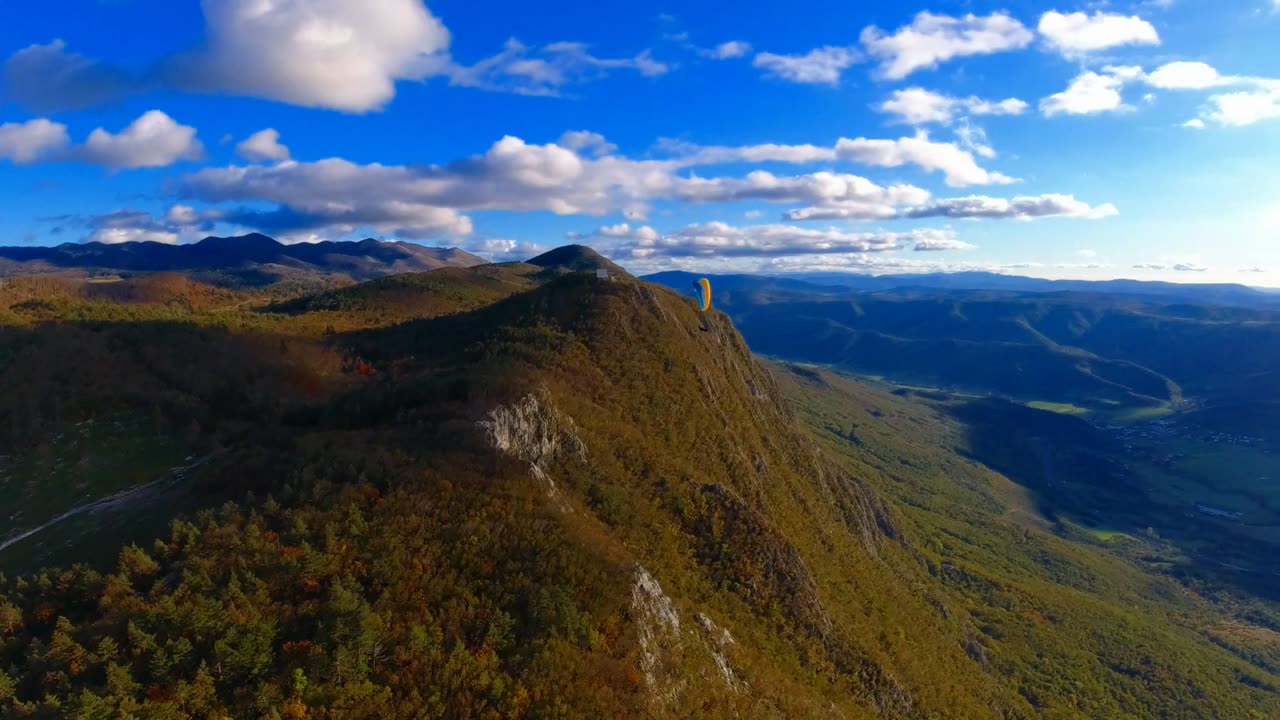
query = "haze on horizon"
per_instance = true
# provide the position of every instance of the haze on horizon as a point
(1135, 139)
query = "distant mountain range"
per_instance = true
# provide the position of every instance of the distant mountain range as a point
(828, 282)
(262, 255)
(1109, 346)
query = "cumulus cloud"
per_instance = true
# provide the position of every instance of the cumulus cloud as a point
(578, 176)
(424, 201)
(729, 50)
(545, 70)
(1022, 208)
(957, 165)
(1185, 75)
(1258, 101)
(129, 226)
(918, 106)
(585, 141)
(718, 239)
(839, 195)
(1237, 109)
(126, 225)
(262, 146)
(32, 141)
(931, 39)
(1092, 92)
(819, 66)
(503, 249)
(1074, 33)
(643, 233)
(153, 140)
(314, 53)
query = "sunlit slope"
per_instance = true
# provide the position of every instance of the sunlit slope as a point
(1078, 626)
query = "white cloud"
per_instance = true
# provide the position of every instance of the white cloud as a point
(1260, 101)
(1080, 33)
(837, 194)
(752, 214)
(721, 240)
(1022, 208)
(956, 164)
(263, 145)
(330, 54)
(689, 154)
(503, 249)
(1255, 268)
(182, 215)
(424, 201)
(33, 140)
(586, 141)
(1178, 264)
(545, 70)
(1087, 253)
(819, 66)
(314, 53)
(119, 226)
(336, 195)
(1185, 75)
(643, 233)
(153, 140)
(1092, 92)
(936, 244)
(1237, 109)
(931, 39)
(729, 50)
(918, 106)
(113, 236)
(974, 138)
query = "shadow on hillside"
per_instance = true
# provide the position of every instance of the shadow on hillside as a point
(1080, 474)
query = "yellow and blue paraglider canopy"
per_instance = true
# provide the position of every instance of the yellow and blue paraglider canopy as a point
(703, 288)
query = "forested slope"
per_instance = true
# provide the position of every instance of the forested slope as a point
(566, 500)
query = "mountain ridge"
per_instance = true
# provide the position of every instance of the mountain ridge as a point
(830, 282)
(361, 260)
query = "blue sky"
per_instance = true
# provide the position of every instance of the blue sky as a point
(1091, 140)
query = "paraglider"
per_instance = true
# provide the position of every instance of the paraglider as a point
(702, 290)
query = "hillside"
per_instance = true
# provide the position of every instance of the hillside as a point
(521, 491)
(252, 259)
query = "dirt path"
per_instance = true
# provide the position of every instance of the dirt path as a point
(111, 502)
